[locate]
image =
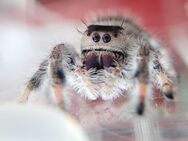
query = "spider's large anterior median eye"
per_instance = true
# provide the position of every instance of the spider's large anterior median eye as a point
(106, 38)
(96, 37)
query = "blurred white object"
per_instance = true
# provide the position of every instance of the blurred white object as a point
(37, 123)
(16, 5)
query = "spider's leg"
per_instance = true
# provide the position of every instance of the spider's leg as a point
(56, 72)
(35, 81)
(163, 73)
(142, 78)
(61, 60)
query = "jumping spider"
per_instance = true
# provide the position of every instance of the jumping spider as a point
(117, 57)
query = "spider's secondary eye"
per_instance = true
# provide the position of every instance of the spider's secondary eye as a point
(96, 37)
(106, 38)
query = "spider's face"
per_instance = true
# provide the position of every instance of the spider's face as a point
(102, 47)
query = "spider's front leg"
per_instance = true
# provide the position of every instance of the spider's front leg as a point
(164, 74)
(142, 78)
(59, 61)
(154, 66)
(56, 72)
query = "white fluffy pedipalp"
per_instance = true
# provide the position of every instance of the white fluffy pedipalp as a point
(117, 89)
(83, 86)
(101, 85)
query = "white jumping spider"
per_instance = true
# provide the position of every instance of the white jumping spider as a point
(116, 57)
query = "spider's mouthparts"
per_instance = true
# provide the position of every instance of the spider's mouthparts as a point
(101, 59)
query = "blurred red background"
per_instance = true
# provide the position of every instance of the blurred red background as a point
(155, 13)
(166, 19)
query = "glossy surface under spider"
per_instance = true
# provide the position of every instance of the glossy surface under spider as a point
(117, 57)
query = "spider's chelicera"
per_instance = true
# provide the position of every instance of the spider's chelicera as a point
(117, 58)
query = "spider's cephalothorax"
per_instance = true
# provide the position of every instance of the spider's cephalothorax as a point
(117, 57)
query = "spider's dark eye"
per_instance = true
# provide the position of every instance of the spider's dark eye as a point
(106, 38)
(96, 37)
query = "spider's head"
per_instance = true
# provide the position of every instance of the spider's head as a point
(101, 46)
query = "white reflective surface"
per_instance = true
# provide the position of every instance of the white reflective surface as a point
(37, 123)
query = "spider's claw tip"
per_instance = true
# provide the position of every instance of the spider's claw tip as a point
(168, 91)
(140, 108)
(169, 95)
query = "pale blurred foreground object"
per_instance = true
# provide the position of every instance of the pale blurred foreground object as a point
(37, 123)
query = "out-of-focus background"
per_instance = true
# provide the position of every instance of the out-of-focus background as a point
(29, 29)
